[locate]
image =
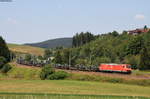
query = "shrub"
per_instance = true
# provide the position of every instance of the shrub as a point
(6, 68)
(46, 71)
(2, 61)
(58, 75)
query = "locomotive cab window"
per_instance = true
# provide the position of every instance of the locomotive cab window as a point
(129, 66)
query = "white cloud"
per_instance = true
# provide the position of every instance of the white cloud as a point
(139, 17)
(12, 21)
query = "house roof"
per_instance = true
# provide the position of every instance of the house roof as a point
(138, 31)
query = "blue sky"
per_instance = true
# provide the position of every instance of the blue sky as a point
(25, 21)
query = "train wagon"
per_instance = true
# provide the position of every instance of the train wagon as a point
(123, 68)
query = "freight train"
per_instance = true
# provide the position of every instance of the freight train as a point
(121, 68)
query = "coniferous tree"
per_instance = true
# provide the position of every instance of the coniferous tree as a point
(82, 38)
(4, 51)
(145, 27)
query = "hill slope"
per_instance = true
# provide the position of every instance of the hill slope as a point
(25, 49)
(65, 42)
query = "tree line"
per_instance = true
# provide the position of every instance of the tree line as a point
(82, 38)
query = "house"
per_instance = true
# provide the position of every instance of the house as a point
(138, 31)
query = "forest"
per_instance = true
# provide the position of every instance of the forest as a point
(92, 50)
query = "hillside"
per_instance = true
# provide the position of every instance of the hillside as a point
(25, 49)
(110, 48)
(65, 42)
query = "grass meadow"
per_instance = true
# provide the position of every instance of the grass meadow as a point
(23, 82)
(26, 49)
(72, 88)
(22, 72)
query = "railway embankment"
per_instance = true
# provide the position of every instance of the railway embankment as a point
(24, 72)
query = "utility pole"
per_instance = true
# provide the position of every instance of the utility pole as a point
(69, 58)
(91, 57)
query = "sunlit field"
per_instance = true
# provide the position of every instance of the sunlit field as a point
(72, 88)
(26, 49)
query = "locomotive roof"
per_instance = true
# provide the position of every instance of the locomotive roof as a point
(113, 64)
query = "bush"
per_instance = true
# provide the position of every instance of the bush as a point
(46, 71)
(2, 61)
(58, 75)
(6, 68)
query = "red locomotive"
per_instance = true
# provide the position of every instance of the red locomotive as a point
(124, 68)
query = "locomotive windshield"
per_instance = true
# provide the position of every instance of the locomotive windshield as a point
(128, 66)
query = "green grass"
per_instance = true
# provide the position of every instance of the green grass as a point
(64, 96)
(19, 83)
(25, 49)
(18, 72)
(72, 87)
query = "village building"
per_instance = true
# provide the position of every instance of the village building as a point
(138, 31)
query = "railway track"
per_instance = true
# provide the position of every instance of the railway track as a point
(93, 72)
